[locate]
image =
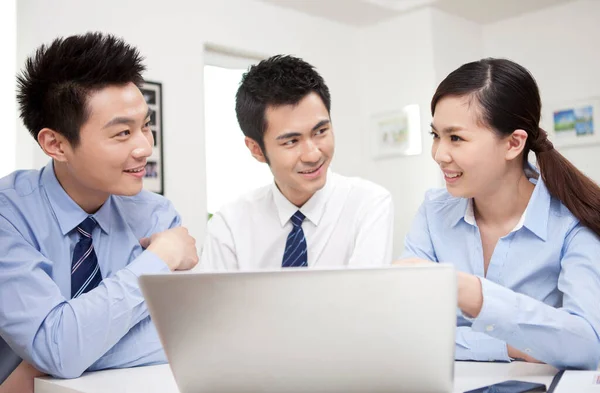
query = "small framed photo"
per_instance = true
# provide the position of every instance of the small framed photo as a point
(396, 133)
(154, 177)
(574, 123)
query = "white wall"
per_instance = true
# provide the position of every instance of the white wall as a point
(560, 46)
(402, 62)
(8, 48)
(397, 69)
(456, 41)
(171, 35)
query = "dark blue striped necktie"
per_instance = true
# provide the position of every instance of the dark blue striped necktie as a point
(295, 246)
(85, 271)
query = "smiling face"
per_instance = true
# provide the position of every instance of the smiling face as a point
(113, 146)
(299, 146)
(472, 156)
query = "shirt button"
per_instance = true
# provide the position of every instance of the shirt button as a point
(528, 350)
(489, 328)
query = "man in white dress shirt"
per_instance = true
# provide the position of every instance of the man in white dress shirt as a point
(309, 216)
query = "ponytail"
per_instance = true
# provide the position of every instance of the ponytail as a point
(579, 193)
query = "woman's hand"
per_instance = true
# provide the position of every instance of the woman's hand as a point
(470, 294)
(516, 354)
(470, 299)
(21, 379)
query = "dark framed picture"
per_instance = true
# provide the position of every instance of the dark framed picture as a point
(154, 177)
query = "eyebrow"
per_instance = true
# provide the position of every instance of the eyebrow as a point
(321, 124)
(448, 130)
(295, 134)
(124, 120)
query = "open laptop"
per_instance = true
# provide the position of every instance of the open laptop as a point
(353, 330)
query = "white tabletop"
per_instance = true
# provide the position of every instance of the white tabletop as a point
(158, 379)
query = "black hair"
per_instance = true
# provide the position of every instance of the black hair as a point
(54, 87)
(279, 80)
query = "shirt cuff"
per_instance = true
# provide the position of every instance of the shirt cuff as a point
(500, 306)
(148, 263)
(483, 349)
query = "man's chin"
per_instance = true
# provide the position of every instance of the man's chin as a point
(317, 184)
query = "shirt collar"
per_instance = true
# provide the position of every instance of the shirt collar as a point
(458, 212)
(67, 212)
(313, 209)
(538, 210)
(470, 216)
(102, 216)
(534, 218)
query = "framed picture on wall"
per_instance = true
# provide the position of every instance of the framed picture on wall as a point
(396, 133)
(573, 123)
(154, 177)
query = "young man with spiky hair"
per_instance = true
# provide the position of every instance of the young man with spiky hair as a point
(78, 233)
(309, 216)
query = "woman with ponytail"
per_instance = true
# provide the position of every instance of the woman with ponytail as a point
(526, 244)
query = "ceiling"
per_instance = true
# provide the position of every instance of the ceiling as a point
(368, 12)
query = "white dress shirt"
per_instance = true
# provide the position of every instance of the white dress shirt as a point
(348, 222)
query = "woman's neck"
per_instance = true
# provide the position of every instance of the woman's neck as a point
(506, 203)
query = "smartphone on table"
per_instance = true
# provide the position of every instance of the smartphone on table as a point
(511, 387)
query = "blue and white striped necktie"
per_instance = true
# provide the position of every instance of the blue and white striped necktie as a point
(295, 254)
(85, 271)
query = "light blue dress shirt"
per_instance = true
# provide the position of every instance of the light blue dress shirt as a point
(542, 290)
(108, 327)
